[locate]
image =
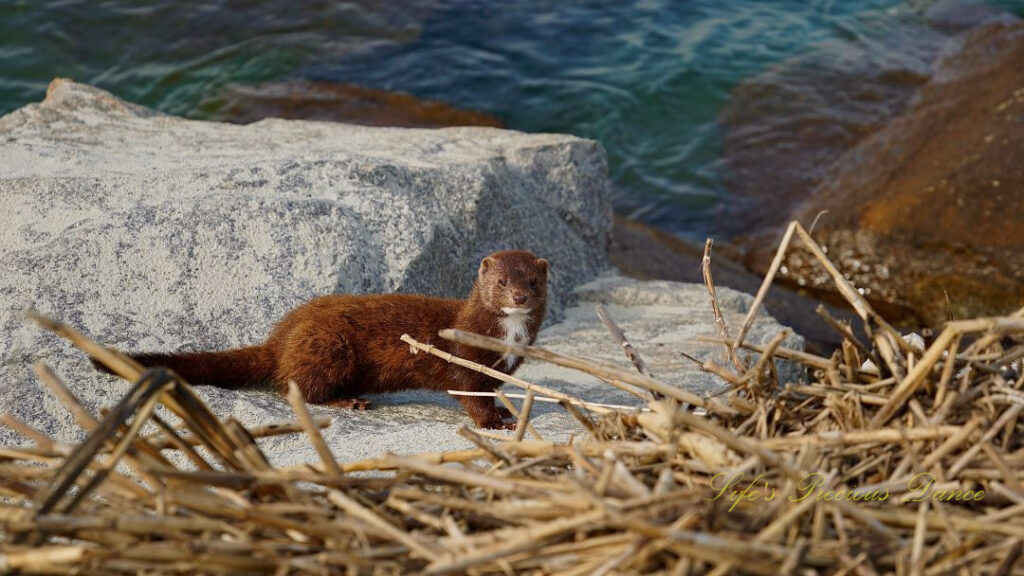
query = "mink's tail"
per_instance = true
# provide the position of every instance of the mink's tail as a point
(226, 369)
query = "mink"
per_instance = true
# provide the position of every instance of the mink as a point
(339, 347)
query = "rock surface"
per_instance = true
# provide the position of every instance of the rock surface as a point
(646, 253)
(151, 232)
(660, 318)
(172, 216)
(927, 212)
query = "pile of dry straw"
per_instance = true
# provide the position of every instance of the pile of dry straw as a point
(757, 480)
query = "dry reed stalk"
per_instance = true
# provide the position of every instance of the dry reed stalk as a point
(312, 430)
(524, 416)
(806, 358)
(426, 550)
(620, 336)
(261, 431)
(489, 447)
(723, 329)
(773, 269)
(584, 403)
(851, 437)
(515, 413)
(605, 372)
(419, 346)
(523, 540)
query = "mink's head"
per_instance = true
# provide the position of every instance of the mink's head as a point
(513, 282)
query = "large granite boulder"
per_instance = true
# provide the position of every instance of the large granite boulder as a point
(110, 201)
(152, 232)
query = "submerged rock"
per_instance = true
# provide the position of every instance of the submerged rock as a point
(928, 212)
(310, 100)
(784, 129)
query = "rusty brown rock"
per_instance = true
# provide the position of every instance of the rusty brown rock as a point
(311, 100)
(928, 212)
(785, 127)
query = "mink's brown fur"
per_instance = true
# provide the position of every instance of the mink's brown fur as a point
(342, 346)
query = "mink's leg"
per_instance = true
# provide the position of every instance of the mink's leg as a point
(350, 403)
(485, 414)
(319, 360)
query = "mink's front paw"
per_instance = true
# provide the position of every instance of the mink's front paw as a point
(349, 403)
(495, 421)
(504, 425)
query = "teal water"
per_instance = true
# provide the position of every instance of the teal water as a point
(648, 78)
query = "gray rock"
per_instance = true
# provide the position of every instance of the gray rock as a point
(152, 232)
(661, 320)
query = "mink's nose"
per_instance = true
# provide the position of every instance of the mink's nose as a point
(519, 298)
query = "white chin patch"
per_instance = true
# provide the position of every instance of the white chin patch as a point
(514, 311)
(516, 330)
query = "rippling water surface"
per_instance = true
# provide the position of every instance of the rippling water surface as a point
(649, 78)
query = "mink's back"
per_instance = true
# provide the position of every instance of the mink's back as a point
(378, 317)
(370, 328)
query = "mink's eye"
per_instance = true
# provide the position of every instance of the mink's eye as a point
(501, 282)
(533, 283)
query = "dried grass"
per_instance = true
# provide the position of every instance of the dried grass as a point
(778, 478)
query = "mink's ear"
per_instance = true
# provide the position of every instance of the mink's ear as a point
(485, 265)
(542, 266)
